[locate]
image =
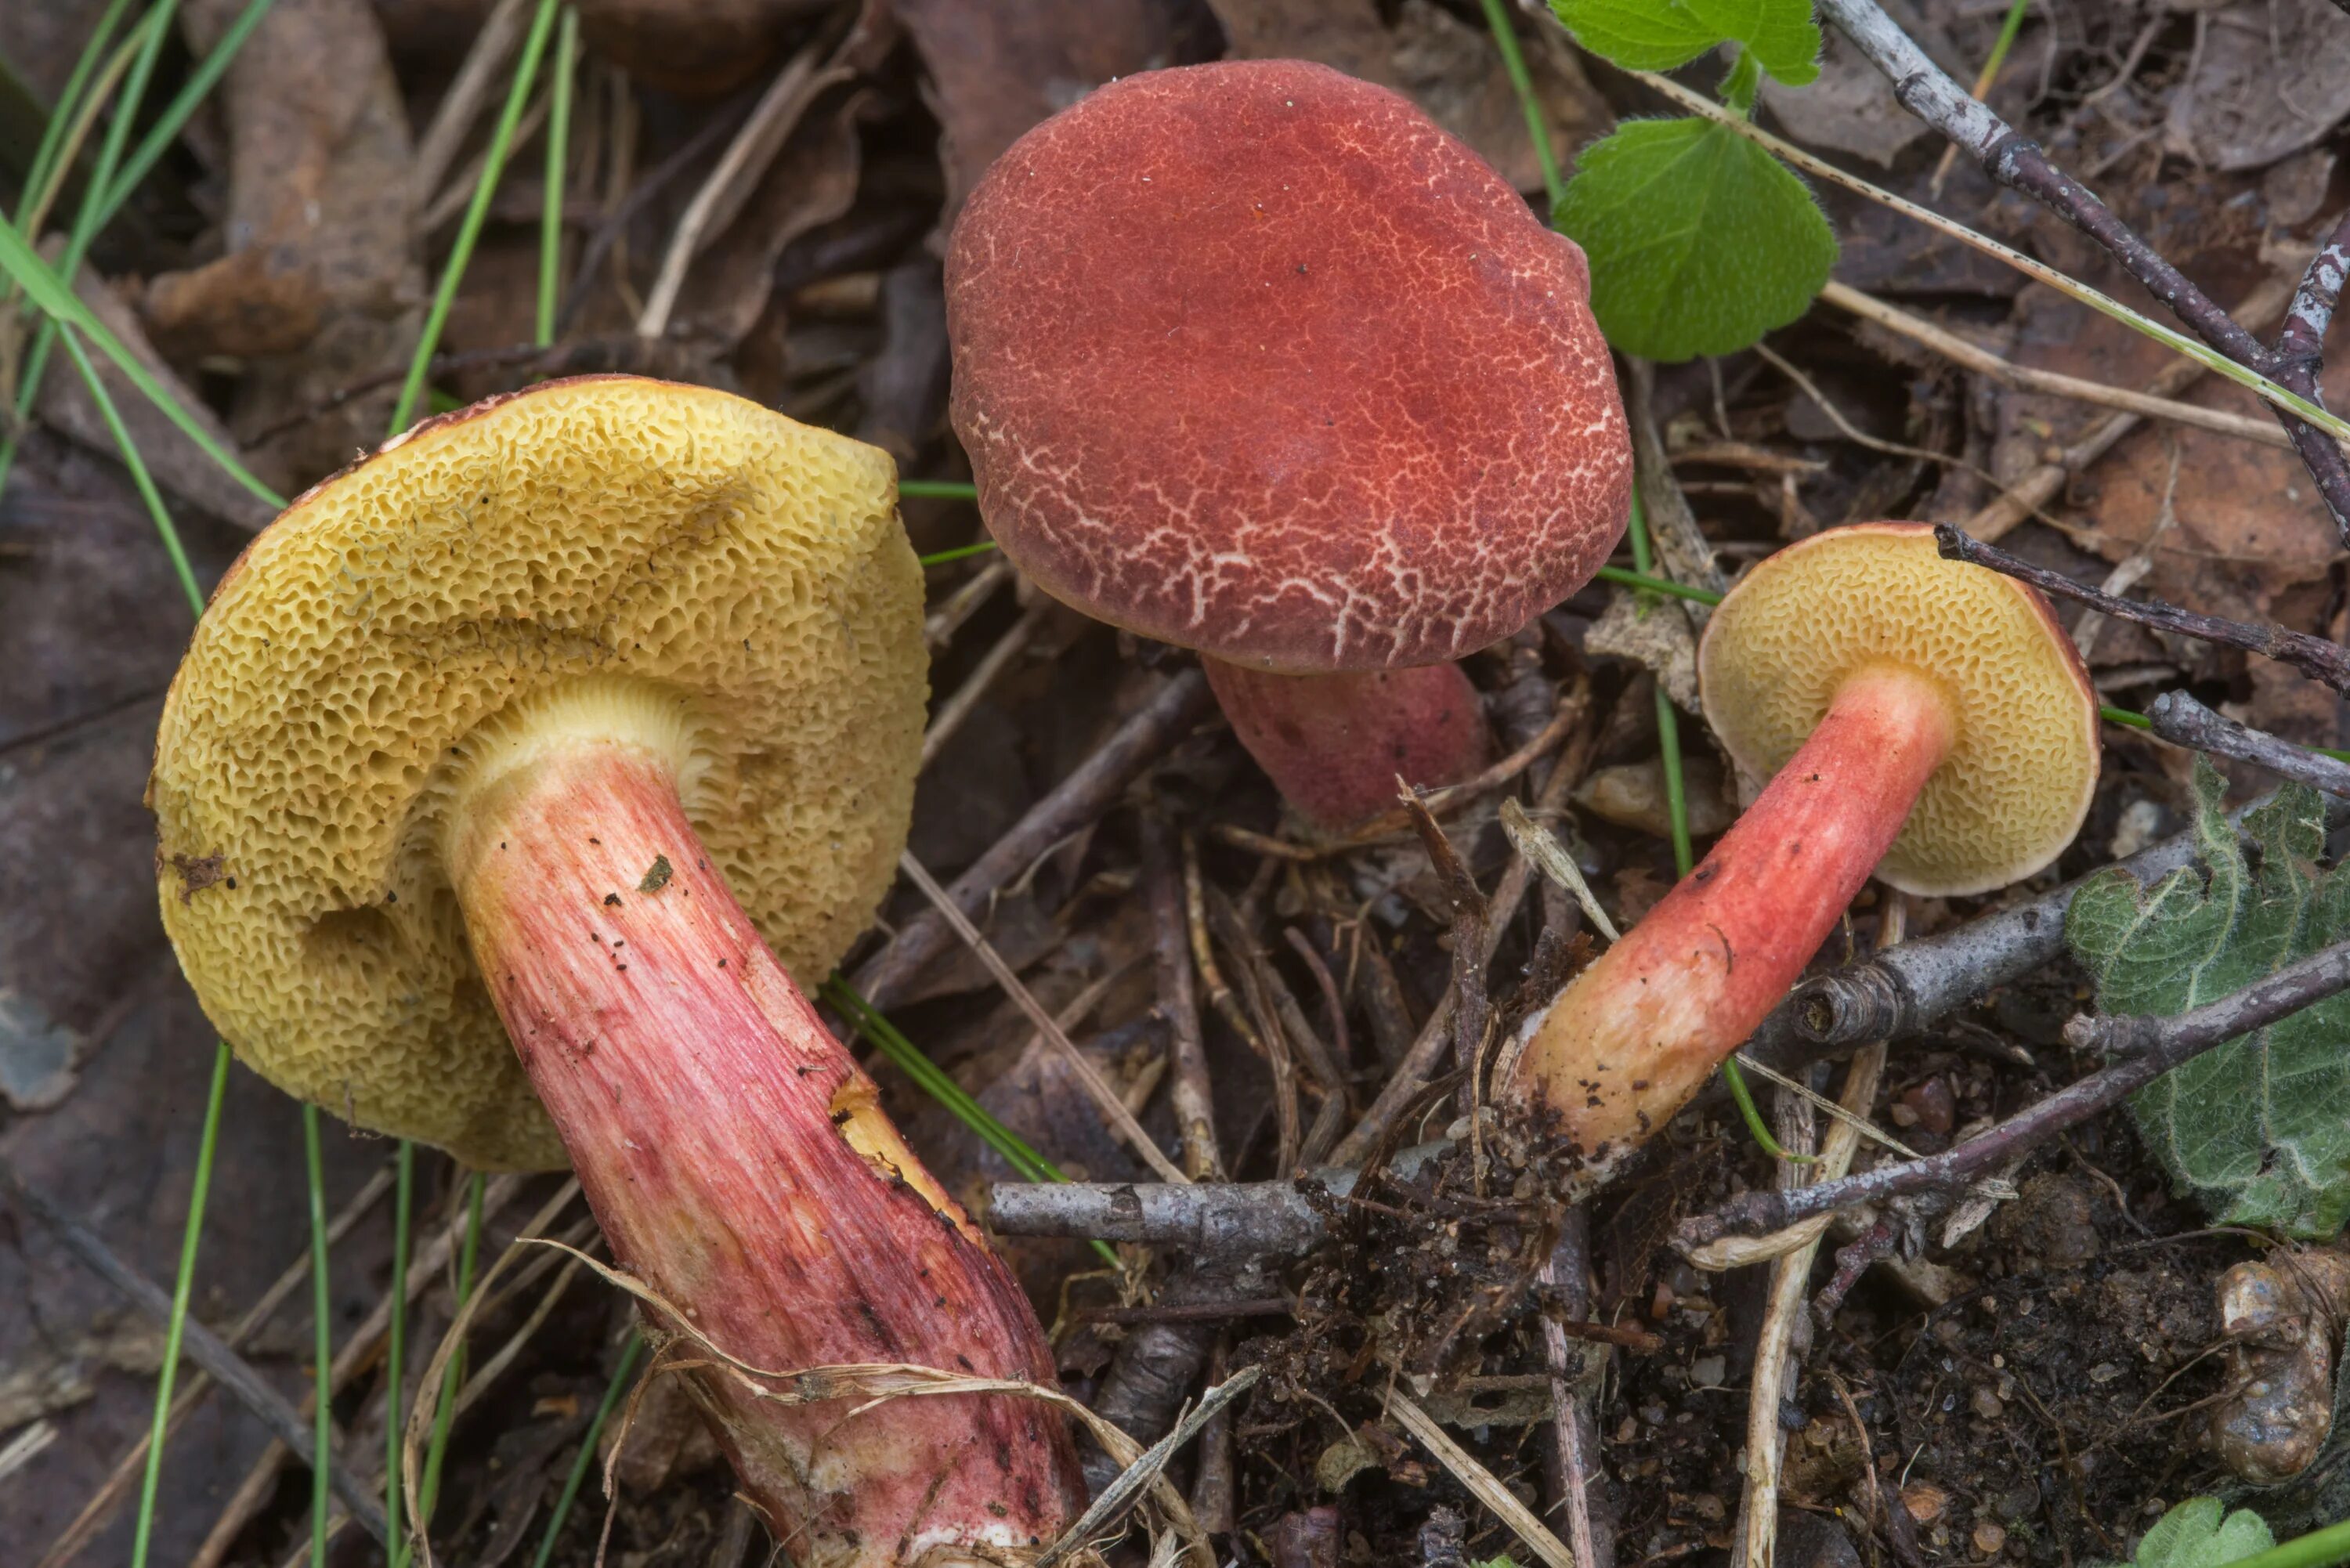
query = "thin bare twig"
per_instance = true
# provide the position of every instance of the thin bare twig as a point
(2183, 722)
(2018, 162)
(1189, 1092)
(2148, 1047)
(951, 714)
(200, 1345)
(2312, 656)
(1072, 805)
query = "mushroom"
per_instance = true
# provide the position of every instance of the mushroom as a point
(1920, 718)
(1254, 358)
(577, 719)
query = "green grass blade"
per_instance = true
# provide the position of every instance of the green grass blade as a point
(558, 160)
(1656, 585)
(938, 490)
(176, 114)
(934, 1081)
(69, 105)
(959, 552)
(53, 299)
(477, 212)
(138, 474)
(572, 1482)
(2318, 1549)
(403, 1215)
(428, 1486)
(322, 1348)
(207, 1144)
(1514, 61)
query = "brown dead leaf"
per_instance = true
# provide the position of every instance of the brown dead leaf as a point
(177, 464)
(2269, 78)
(1849, 107)
(318, 284)
(998, 66)
(811, 181)
(695, 48)
(2244, 523)
(1447, 66)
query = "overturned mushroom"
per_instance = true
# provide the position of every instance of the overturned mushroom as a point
(1254, 358)
(560, 721)
(1919, 718)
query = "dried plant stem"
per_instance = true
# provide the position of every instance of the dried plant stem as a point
(951, 714)
(1074, 803)
(2148, 1047)
(2312, 656)
(1097, 1088)
(1170, 888)
(230, 1370)
(1961, 351)
(2017, 162)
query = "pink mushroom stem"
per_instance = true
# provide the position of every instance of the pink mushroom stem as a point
(1334, 745)
(1639, 1031)
(739, 1163)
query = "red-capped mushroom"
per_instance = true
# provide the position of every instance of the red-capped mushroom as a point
(1919, 718)
(1254, 358)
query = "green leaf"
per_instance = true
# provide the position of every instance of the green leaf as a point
(1700, 241)
(2259, 1128)
(1661, 35)
(2201, 1533)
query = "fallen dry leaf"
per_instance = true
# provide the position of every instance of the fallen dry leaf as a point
(695, 48)
(318, 284)
(2269, 78)
(998, 66)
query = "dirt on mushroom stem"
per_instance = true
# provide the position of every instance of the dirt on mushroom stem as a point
(739, 1163)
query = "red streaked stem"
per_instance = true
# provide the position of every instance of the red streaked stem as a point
(1639, 1031)
(1334, 744)
(739, 1164)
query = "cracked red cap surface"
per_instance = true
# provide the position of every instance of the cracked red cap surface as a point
(1255, 359)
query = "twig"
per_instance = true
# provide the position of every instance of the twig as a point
(1097, 1088)
(1128, 1486)
(2148, 1047)
(76, 1536)
(1076, 803)
(1203, 953)
(2312, 656)
(1419, 1063)
(608, 233)
(1901, 990)
(1498, 1498)
(499, 34)
(1163, 1311)
(951, 714)
(2025, 378)
(1575, 1437)
(948, 618)
(1158, 1361)
(202, 1347)
(1472, 1008)
(2183, 722)
(2301, 341)
(2017, 162)
(1213, 1486)
(1791, 1279)
(1217, 1220)
(1189, 1091)
(1342, 1051)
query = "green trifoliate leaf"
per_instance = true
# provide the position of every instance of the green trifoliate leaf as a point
(1699, 242)
(2201, 1533)
(1660, 34)
(2258, 1128)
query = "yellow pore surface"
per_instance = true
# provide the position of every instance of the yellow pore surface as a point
(2017, 782)
(750, 567)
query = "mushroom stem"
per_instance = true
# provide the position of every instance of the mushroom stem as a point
(1334, 744)
(739, 1163)
(1638, 1033)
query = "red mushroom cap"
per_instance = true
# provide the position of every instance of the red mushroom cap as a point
(1255, 359)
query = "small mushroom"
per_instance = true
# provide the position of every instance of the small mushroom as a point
(529, 747)
(1917, 717)
(1254, 358)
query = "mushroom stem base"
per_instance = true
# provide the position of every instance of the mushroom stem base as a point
(739, 1163)
(1635, 1035)
(1334, 745)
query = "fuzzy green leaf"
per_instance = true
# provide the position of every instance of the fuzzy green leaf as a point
(2258, 1128)
(2201, 1533)
(1700, 241)
(1661, 35)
